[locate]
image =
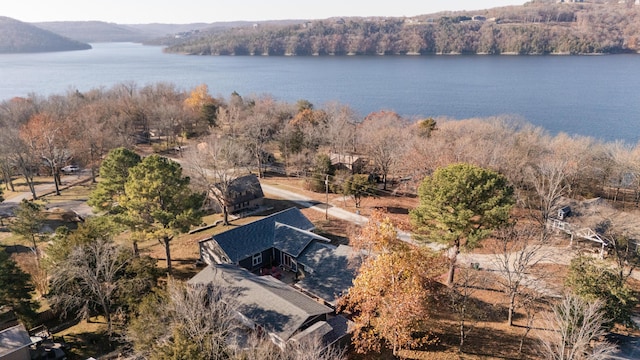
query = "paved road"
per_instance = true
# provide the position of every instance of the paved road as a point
(333, 211)
(80, 207)
(307, 202)
(7, 206)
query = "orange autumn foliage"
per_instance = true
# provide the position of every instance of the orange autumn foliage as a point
(392, 294)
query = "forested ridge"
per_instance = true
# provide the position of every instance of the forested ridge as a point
(96, 31)
(20, 37)
(534, 28)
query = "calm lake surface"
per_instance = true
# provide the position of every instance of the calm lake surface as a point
(597, 96)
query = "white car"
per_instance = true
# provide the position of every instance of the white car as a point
(70, 169)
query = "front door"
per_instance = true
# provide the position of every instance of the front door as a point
(289, 262)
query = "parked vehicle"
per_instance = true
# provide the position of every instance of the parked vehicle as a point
(70, 169)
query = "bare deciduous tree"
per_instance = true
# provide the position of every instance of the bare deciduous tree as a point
(582, 156)
(89, 279)
(94, 133)
(22, 158)
(48, 137)
(517, 253)
(215, 164)
(532, 303)
(381, 136)
(261, 348)
(206, 316)
(313, 349)
(260, 127)
(461, 295)
(341, 128)
(200, 319)
(575, 331)
(549, 180)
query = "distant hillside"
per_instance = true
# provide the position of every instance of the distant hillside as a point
(20, 37)
(540, 27)
(97, 31)
(156, 33)
(171, 34)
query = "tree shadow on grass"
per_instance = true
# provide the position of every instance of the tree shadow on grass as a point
(487, 341)
(88, 344)
(183, 269)
(486, 329)
(16, 249)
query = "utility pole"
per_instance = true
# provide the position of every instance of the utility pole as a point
(326, 207)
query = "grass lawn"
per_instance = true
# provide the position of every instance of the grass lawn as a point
(86, 339)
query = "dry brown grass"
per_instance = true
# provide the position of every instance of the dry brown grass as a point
(395, 207)
(489, 338)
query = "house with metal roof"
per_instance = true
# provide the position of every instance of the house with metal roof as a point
(270, 305)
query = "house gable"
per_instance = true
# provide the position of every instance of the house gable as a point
(327, 270)
(242, 193)
(292, 240)
(245, 241)
(269, 303)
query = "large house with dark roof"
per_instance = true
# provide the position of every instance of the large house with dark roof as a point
(277, 239)
(282, 241)
(285, 241)
(268, 304)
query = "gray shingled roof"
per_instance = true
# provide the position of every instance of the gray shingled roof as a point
(316, 331)
(330, 331)
(292, 240)
(246, 240)
(328, 273)
(340, 328)
(263, 299)
(13, 339)
(292, 217)
(244, 188)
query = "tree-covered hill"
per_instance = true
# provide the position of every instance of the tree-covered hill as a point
(20, 37)
(152, 34)
(97, 31)
(540, 27)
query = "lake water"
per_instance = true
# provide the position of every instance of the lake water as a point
(597, 96)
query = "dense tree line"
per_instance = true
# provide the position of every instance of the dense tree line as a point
(20, 37)
(81, 128)
(502, 160)
(535, 28)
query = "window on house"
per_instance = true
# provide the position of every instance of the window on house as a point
(257, 259)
